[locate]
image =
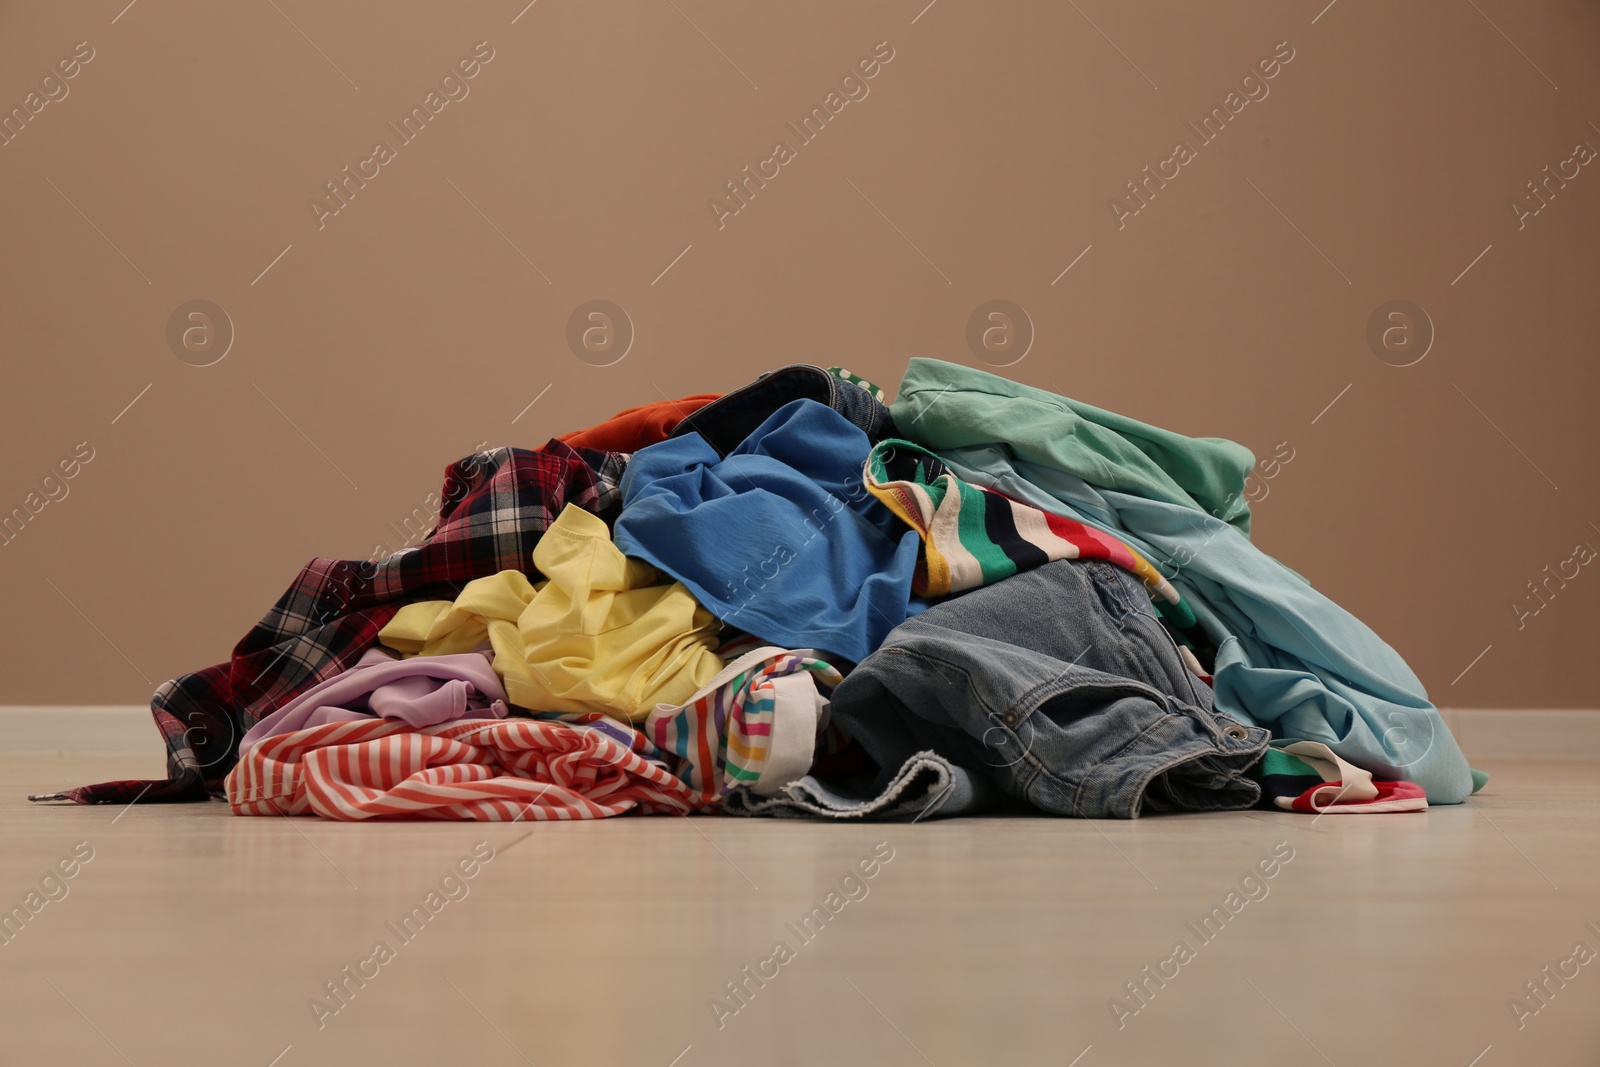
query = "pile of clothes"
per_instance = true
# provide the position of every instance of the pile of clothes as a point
(794, 600)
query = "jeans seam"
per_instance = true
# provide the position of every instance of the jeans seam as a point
(1188, 676)
(1109, 584)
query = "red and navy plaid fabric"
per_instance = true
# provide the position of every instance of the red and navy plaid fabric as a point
(495, 506)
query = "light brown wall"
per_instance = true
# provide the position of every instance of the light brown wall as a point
(407, 329)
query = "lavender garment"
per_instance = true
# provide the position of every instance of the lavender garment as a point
(420, 691)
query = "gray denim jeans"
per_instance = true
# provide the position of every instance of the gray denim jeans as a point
(1058, 687)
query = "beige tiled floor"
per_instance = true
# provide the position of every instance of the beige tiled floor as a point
(193, 937)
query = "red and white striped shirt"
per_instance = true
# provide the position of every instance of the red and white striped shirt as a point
(489, 770)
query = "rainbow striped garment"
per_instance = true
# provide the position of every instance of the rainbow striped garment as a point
(973, 536)
(755, 725)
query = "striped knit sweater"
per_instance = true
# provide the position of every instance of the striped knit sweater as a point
(973, 536)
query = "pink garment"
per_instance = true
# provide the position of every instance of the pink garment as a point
(421, 691)
(481, 769)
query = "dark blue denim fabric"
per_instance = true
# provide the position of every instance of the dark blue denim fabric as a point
(1058, 687)
(726, 422)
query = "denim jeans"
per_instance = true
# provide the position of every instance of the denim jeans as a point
(726, 422)
(924, 785)
(1057, 687)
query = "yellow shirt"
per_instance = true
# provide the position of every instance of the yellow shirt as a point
(603, 633)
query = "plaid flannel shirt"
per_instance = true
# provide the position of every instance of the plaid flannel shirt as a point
(495, 506)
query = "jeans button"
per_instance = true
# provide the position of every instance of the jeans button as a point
(1009, 718)
(1235, 731)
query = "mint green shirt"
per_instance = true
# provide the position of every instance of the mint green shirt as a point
(959, 407)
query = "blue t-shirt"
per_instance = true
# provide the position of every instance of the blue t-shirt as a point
(781, 538)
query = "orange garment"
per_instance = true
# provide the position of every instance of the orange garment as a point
(633, 429)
